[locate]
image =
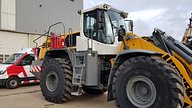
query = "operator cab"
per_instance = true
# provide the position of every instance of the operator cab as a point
(100, 29)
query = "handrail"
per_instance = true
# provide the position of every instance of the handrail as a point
(47, 33)
(34, 41)
(56, 24)
(70, 37)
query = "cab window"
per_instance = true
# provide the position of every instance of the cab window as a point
(97, 26)
(90, 25)
(13, 58)
(27, 60)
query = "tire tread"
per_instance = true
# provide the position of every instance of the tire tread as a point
(65, 65)
(170, 72)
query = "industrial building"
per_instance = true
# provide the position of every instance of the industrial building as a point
(21, 21)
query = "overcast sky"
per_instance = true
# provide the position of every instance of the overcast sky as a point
(171, 16)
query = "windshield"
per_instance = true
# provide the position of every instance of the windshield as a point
(13, 58)
(116, 21)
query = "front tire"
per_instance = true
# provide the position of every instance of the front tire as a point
(12, 83)
(145, 82)
(56, 80)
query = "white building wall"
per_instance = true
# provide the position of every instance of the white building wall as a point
(12, 42)
(8, 14)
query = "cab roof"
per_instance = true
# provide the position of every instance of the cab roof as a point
(105, 7)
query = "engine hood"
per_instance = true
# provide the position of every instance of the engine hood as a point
(3, 67)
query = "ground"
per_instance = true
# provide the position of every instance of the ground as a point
(31, 97)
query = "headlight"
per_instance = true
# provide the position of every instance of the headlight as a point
(2, 72)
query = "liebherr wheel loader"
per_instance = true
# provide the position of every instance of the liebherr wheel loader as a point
(187, 38)
(137, 72)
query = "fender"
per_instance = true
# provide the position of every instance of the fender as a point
(60, 53)
(56, 53)
(120, 58)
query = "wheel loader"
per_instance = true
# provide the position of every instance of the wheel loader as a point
(137, 72)
(187, 38)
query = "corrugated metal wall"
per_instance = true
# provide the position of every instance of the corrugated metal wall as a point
(35, 16)
(7, 14)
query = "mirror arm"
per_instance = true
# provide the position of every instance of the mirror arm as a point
(125, 46)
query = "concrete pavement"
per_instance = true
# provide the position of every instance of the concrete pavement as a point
(31, 97)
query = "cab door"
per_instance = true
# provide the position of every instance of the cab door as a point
(24, 64)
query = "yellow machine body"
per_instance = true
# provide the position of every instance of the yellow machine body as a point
(141, 43)
(46, 45)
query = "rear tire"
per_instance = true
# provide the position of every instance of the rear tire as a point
(12, 83)
(56, 80)
(93, 91)
(147, 82)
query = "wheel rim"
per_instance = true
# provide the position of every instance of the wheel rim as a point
(141, 91)
(52, 81)
(13, 83)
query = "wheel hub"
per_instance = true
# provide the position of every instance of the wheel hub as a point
(52, 81)
(141, 91)
(144, 91)
(13, 83)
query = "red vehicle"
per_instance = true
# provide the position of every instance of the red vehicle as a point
(16, 69)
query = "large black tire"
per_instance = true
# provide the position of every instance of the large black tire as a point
(145, 82)
(12, 83)
(93, 91)
(56, 80)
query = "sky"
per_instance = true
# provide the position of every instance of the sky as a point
(171, 16)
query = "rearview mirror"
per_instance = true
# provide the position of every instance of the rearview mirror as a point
(121, 33)
(130, 25)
